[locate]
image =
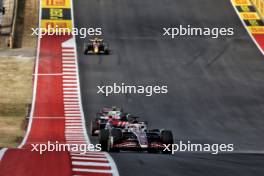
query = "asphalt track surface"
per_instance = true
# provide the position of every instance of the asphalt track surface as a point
(215, 85)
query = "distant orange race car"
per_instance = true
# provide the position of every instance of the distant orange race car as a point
(96, 46)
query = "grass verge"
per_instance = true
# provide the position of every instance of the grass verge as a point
(15, 95)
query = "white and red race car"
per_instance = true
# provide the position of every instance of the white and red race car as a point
(134, 136)
(116, 115)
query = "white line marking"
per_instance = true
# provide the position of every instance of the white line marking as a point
(68, 65)
(72, 42)
(72, 112)
(75, 139)
(70, 93)
(67, 50)
(70, 88)
(74, 121)
(70, 100)
(73, 127)
(69, 73)
(68, 58)
(70, 80)
(68, 62)
(71, 115)
(82, 163)
(68, 54)
(79, 92)
(81, 138)
(71, 104)
(89, 154)
(74, 132)
(49, 118)
(69, 84)
(73, 124)
(65, 77)
(69, 69)
(65, 67)
(66, 109)
(92, 170)
(88, 158)
(72, 118)
(74, 135)
(70, 96)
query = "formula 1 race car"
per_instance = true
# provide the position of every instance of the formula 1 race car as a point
(135, 136)
(96, 46)
(103, 116)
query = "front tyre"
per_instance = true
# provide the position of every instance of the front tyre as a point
(103, 139)
(166, 137)
(116, 137)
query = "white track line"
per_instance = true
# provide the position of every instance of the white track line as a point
(77, 108)
(83, 163)
(88, 158)
(69, 88)
(68, 50)
(93, 170)
(113, 170)
(69, 77)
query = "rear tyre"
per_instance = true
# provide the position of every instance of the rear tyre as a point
(103, 139)
(166, 137)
